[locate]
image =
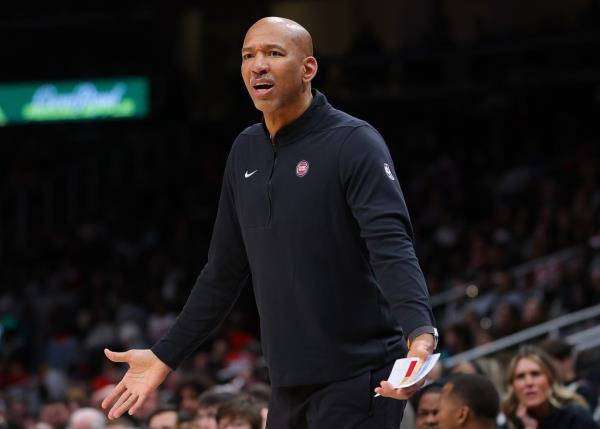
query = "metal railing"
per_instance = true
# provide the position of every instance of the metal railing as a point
(584, 340)
(534, 332)
(458, 292)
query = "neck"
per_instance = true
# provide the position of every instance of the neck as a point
(276, 120)
(540, 411)
(481, 424)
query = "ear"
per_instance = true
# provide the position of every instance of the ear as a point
(463, 415)
(310, 68)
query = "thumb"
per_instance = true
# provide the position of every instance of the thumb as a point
(117, 356)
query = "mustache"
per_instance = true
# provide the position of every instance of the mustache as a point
(262, 80)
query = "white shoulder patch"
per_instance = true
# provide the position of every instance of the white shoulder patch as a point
(388, 171)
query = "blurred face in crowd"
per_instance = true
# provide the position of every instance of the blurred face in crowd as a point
(120, 423)
(237, 423)
(189, 400)
(530, 384)
(466, 367)
(55, 414)
(166, 420)
(207, 418)
(565, 369)
(451, 410)
(427, 411)
(277, 66)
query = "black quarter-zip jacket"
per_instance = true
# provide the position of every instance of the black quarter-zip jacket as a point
(317, 217)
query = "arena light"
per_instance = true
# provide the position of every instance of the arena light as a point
(29, 102)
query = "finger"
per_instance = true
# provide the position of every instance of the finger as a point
(386, 389)
(117, 391)
(395, 394)
(126, 405)
(407, 392)
(117, 356)
(138, 404)
(112, 414)
(412, 389)
(387, 385)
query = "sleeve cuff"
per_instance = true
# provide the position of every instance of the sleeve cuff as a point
(426, 329)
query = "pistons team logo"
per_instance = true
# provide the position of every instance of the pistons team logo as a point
(302, 168)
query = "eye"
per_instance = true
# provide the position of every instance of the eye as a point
(246, 56)
(275, 54)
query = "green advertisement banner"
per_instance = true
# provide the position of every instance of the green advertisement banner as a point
(73, 100)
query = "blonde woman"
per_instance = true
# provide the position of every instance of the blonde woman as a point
(536, 400)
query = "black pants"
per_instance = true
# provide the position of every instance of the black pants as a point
(345, 404)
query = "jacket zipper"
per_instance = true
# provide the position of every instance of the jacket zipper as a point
(269, 186)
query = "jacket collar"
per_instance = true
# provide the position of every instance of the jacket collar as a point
(305, 123)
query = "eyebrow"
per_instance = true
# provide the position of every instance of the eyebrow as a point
(265, 46)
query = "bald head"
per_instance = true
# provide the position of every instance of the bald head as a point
(288, 30)
(277, 68)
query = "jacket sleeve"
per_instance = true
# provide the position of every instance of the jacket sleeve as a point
(377, 203)
(216, 288)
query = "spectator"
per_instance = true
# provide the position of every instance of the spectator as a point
(561, 355)
(56, 414)
(534, 311)
(188, 394)
(468, 401)
(240, 412)
(123, 422)
(426, 403)
(535, 397)
(87, 418)
(486, 366)
(163, 418)
(208, 405)
(262, 393)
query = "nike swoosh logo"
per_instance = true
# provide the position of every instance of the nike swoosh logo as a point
(246, 174)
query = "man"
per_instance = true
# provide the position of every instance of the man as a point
(188, 394)
(469, 401)
(240, 412)
(163, 418)
(426, 403)
(87, 418)
(55, 413)
(311, 207)
(208, 405)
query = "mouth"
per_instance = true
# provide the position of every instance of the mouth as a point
(531, 395)
(261, 89)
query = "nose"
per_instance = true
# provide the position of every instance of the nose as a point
(260, 64)
(431, 419)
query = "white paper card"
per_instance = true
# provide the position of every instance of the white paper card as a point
(407, 372)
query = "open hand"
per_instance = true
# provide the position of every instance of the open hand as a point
(146, 372)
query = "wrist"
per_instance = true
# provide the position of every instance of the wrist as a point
(424, 341)
(424, 333)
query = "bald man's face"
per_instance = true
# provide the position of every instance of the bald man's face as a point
(276, 65)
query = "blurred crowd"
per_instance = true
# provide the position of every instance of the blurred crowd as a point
(101, 249)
